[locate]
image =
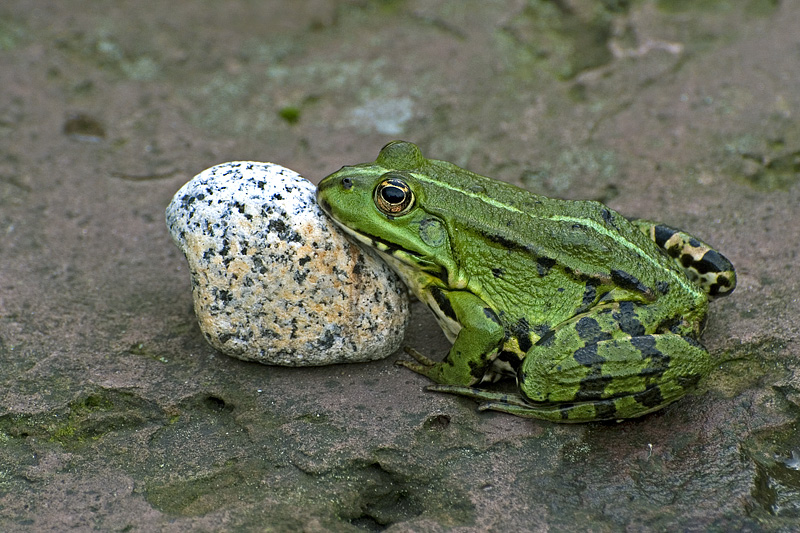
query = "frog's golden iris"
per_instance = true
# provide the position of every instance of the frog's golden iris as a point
(393, 195)
(597, 315)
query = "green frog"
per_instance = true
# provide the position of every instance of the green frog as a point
(598, 316)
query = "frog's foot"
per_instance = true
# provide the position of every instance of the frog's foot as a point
(515, 404)
(489, 397)
(424, 365)
(421, 358)
(445, 372)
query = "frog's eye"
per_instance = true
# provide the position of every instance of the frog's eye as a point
(393, 196)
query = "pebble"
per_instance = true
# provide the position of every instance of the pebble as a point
(273, 279)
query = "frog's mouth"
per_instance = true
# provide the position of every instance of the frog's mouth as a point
(324, 205)
(405, 262)
(379, 244)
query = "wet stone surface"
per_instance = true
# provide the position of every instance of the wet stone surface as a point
(116, 414)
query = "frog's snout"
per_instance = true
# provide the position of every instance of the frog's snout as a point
(324, 205)
(322, 199)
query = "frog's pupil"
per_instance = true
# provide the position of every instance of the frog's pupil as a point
(393, 195)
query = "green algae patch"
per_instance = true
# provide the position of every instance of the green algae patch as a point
(560, 39)
(290, 114)
(385, 489)
(748, 366)
(764, 163)
(204, 463)
(98, 414)
(759, 8)
(776, 487)
(200, 495)
(12, 34)
(84, 420)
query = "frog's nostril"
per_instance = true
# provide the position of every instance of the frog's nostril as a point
(347, 183)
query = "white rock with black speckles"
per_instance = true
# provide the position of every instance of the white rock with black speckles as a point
(273, 279)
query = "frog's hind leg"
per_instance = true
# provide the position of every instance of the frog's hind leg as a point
(650, 398)
(611, 379)
(711, 270)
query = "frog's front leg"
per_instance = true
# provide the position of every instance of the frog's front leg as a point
(475, 347)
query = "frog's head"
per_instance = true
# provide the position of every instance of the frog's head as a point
(383, 205)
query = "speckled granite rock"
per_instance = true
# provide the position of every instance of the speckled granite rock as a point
(273, 279)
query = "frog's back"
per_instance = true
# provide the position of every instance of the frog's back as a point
(545, 259)
(585, 236)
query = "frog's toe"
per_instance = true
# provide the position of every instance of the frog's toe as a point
(470, 392)
(490, 398)
(429, 371)
(411, 365)
(423, 365)
(420, 358)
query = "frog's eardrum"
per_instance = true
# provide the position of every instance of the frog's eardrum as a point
(273, 280)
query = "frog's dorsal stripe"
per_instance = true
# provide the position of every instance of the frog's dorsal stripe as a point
(681, 280)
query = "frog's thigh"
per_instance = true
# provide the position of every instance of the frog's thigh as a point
(614, 378)
(476, 345)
